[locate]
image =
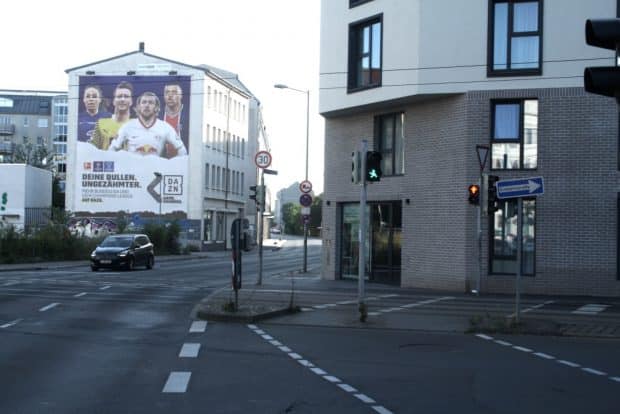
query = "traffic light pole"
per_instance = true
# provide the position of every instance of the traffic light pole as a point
(362, 234)
(260, 228)
(480, 204)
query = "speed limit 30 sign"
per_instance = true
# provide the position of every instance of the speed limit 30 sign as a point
(262, 159)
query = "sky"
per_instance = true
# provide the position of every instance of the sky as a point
(265, 42)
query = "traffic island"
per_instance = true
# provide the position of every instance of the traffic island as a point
(253, 306)
(507, 325)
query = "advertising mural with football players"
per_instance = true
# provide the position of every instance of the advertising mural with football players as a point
(132, 144)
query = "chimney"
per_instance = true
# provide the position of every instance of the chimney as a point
(142, 47)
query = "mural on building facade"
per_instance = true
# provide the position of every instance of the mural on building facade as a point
(132, 144)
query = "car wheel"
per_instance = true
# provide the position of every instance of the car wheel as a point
(94, 268)
(149, 262)
(130, 263)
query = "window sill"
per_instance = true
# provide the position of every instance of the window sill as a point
(363, 88)
(513, 72)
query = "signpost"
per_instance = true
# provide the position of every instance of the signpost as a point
(262, 159)
(519, 188)
(482, 151)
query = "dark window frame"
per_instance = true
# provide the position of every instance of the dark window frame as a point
(379, 145)
(491, 234)
(491, 72)
(355, 3)
(353, 83)
(520, 140)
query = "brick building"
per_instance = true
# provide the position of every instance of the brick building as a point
(425, 83)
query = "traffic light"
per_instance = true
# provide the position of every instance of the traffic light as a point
(258, 194)
(355, 167)
(603, 80)
(492, 200)
(474, 194)
(373, 166)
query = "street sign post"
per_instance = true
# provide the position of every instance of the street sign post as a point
(519, 188)
(262, 159)
(523, 187)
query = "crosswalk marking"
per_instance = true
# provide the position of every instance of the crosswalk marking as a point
(177, 382)
(590, 309)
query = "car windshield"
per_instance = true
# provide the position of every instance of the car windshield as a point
(117, 242)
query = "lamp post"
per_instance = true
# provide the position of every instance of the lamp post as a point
(161, 195)
(307, 92)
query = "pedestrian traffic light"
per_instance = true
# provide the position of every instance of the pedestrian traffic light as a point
(492, 200)
(355, 167)
(373, 166)
(603, 80)
(474, 194)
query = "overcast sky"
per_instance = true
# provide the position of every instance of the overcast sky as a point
(265, 42)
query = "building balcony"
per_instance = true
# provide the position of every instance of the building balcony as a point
(7, 129)
(7, 148)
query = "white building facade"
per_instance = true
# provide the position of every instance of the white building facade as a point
(200, 178)
(425, 83)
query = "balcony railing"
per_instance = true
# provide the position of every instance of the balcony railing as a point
(7, 129)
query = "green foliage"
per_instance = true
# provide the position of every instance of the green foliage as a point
(291, 217)
(164, 237)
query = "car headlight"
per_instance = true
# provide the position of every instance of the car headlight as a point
(93, 254)
(123, 253)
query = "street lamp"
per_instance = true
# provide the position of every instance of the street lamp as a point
(161, 195)
(307, 92)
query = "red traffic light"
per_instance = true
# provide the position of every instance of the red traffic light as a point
(474, 194)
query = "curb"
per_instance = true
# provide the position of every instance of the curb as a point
(244, 318)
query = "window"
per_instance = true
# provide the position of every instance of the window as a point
(514, 135)
(354, 3)
(26, 122)
(503, 246)
(207, 176)
(365, 54)
(389, 139)
(515, 32)
(6, 103)
(42, 122)
(62, 168)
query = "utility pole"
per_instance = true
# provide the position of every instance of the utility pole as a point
(362, 234)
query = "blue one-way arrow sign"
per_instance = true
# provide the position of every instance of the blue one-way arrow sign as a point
(523, 187)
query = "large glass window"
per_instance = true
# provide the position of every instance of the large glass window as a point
(365, 54)
(504, 238)
(389, 138)
(514, 135)
(515, 37)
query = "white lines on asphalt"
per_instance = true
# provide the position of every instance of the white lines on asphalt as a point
(590, 309)
(189, 350)
(318, 371)
(550, 358)
(48, 307)
(177, 382)
(11, 283)
(409, 305)
(12, 323)
(198, 327)
(79, 295)
(306, 309)
(532, 308)
(267, 337)
(105, 287)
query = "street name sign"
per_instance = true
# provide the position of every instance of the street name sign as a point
(522, 187)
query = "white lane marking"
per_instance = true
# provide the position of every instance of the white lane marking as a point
(331, 378)
(503, 343)
(347, 302)
(540, 305)
(12, 323)
(260, 332)
(189, 350)
(391, 295)
(522, 349)
(79, 295)
(381, 410)
(568, 363)
(48, 307)
(105, 287)
(198, 326)
(483, 336)
(542, 355)
(365, 398)
(177, 382)
(373, 313)
(306, 309)
(412, 305)
(267, 337)
(594, 371)
(590, 309)
(275, 343)
(321, 306)
(347, 388)
(324, 374)
(10, 283)
(617, 379)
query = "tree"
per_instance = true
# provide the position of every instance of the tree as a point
(35, 156)
(291, 216)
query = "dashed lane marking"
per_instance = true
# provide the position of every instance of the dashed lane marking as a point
(198, 326)
(189, 350)
(79, 295)
(105, 287)
(532, 308)
(48, 307)
(327, 377)
(550, 358)
(12, 323)
(177, 382)
(590, 309)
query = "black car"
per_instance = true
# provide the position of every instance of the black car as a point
(123, 250)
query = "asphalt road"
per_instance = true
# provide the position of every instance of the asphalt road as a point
(73, 341)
